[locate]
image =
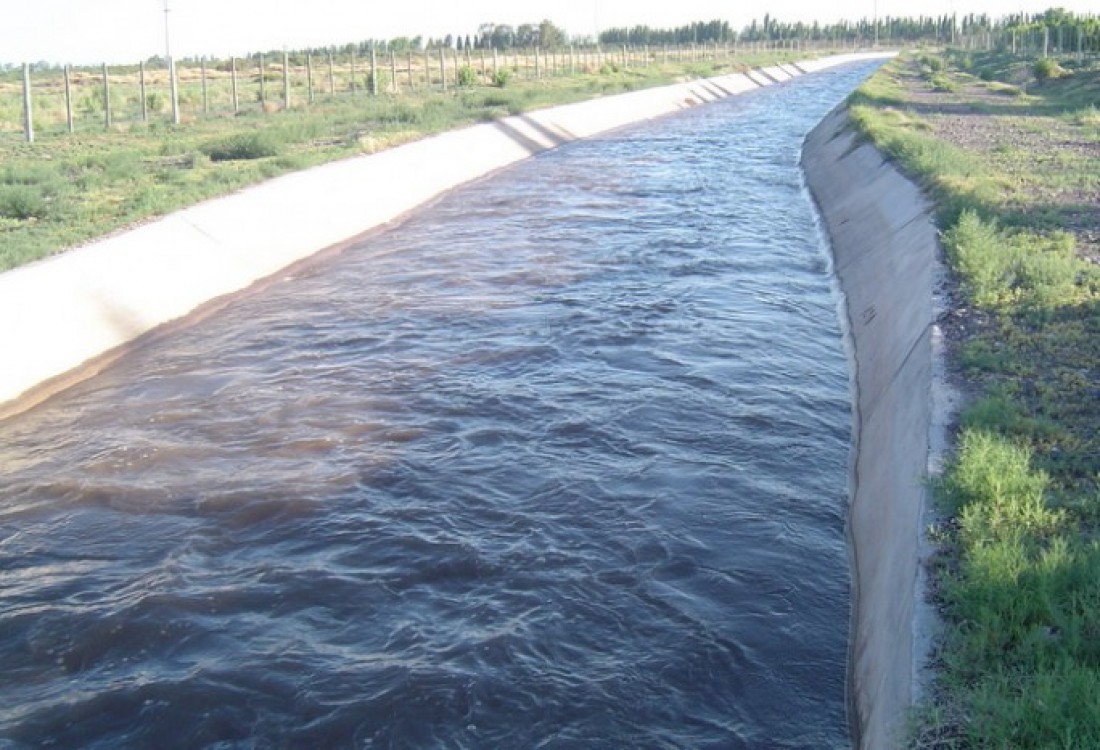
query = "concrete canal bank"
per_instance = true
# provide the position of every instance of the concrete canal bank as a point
(69, 315)
(884, 247)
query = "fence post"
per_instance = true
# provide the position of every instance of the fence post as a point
(352, 65)
(309, 76)
(410, 55)
(331, 75)
(263, 86)
(205, 96)
(141, 88)
(495, 65)
(393, 71)
(106, 99)
(455, 53)
(233, 84)
(443, 68)
(173, 87)
(69, 101)
(1046, 41)
(373, 72)
(28, 115)
(286, 79)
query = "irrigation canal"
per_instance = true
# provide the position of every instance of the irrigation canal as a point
(559, 462)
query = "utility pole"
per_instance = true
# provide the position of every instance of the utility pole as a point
(171, 68)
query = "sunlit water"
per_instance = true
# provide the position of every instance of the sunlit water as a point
(560, 462)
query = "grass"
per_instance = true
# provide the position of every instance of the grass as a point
(66, 189)
(1018, 576)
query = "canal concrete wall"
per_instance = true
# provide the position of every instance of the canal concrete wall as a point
(884, 246)
(67, 316)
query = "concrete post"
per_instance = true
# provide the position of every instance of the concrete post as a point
(141, 88)
(286, 79)
(373, 71)
(173, 87)
(69, 101)
(309, 76)
(28, 112)
(106, 99)
(233, 84)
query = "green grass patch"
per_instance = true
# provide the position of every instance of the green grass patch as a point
(66, 189)
(1019, 574)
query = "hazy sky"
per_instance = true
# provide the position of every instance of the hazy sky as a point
(91, 31)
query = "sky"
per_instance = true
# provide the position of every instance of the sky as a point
(125, 31)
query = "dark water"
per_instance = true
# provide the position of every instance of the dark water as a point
(558, 463)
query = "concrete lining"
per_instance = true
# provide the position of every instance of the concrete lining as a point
(884, 246)
(64, 313)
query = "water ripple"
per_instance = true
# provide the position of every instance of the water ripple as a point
(558, 463)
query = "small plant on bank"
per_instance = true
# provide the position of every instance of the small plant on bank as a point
(21, 202)
(243, 146)
(467, 76)
(501, 77)
(1046, 69)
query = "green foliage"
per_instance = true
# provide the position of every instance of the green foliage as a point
(501, 77)
(1046, 69)
(997, 268)
(258, 144)
(21, 202)
(466, 76)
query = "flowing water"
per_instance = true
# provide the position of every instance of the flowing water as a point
(560, 462)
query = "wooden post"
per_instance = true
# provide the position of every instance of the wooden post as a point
(263, 87)
(455, 54)
(572, 61)
(106, 99)
(495, 66)
(393, 71)
(141, 87)
(331, 75)
(538, 68)
(352, 71)
(484, 67)
(69, 101)
(373, 72)
(205, 96)
(286, 79)
(1046, 41)
(233, 84)
(28, 113)
(427, 69)
(443, 68)
(309, 76)
(410, 54)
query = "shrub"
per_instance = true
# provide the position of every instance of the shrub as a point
(467, 76)
(1046, 69)
(934, 64)
(257, 145)
(1038, 271)
(21, 202)
(501, 77)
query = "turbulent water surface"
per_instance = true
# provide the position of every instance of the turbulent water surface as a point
(559, 462)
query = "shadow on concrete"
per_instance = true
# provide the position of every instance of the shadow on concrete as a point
(554, 136)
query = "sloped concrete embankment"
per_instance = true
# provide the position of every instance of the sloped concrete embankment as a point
(65, 317)
(884, 250)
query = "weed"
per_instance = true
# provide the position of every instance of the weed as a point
(242, 146)
(501, 77)
(1046, 69)
(21, 202)
(467, 76)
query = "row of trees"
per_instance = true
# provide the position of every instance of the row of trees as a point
(937, 30)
